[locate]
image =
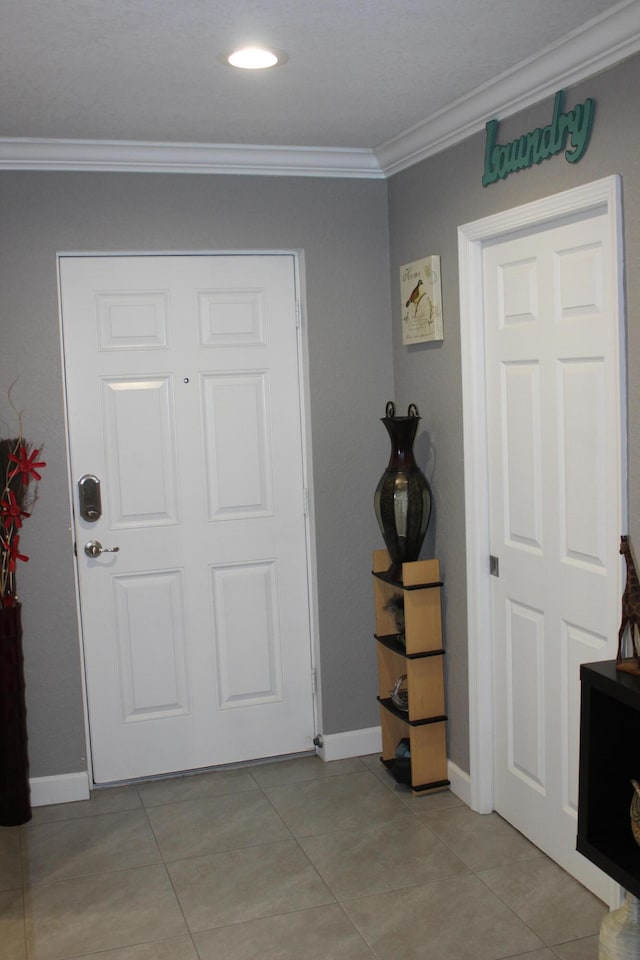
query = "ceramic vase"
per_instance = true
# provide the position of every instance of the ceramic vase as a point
(402, 500)
(620, 932)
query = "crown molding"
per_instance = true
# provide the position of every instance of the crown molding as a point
(601, 43)
(138, 157)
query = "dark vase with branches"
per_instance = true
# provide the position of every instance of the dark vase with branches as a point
(19, 466)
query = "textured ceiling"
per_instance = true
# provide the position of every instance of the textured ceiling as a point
(359, 73)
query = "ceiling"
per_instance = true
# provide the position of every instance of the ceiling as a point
(364, 84)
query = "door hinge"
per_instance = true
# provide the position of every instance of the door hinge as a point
(305, 501)
(314, 681)
(298, 314)
(494, 566)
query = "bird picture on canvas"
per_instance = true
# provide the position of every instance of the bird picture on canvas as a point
(421, 298)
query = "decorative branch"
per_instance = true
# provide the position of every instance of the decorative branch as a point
(19, 474)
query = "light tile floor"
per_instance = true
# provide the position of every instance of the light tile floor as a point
(294, 860)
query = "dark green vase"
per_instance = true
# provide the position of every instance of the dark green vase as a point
(402, 500)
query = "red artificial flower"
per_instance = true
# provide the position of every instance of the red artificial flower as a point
(11, 512)
(14, 553)
(26, 464)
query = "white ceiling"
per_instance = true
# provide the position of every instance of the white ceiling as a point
(368, 84)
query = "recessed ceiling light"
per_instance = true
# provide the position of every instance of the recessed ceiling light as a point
(254, 58)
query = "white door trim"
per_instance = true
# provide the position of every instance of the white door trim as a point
(605, 194)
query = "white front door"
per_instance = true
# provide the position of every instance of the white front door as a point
(183, 397)
(555, 492)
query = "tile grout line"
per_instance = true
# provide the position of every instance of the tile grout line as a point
(545, 945)
(298, 845)
(169, 877)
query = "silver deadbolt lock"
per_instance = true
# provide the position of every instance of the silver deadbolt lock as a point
(89, 497)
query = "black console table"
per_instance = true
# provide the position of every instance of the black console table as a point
(609, 759)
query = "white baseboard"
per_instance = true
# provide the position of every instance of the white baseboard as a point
(69, 787)
(351, 743)
(460, 782)
(360, 743)
(65, 788)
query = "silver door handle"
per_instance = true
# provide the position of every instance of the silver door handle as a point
(94, 548)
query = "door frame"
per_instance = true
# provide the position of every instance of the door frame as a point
(307, 458)
(604, 196)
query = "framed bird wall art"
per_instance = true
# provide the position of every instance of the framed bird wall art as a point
(421, 301)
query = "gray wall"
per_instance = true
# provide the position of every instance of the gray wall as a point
(426, 205)
(341, 228)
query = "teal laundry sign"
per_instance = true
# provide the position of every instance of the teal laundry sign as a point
(568, 131)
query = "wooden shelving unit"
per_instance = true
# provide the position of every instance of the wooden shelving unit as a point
(421, 659)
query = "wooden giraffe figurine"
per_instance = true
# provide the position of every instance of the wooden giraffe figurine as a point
(630, 611)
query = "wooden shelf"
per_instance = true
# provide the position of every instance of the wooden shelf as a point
(389, 705)
(421, 787)
(401, 585)
(392, 643)
(421, 660)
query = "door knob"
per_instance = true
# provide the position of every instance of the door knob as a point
(94, 548)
